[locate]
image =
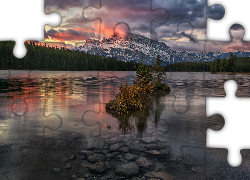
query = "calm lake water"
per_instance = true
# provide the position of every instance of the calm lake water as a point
(56, 104)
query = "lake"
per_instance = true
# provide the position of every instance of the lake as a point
(47, 117)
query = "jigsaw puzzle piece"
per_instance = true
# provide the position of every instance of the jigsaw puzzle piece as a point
(123, 32)
(219, 50)
(185, 43)
(41, 162)
(18, 133)
(93, 13)
(218, 139)
(195, 12)
(26, 16)
(186, 125)
(218, 30)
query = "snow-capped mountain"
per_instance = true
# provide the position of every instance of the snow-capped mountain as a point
(135, 47)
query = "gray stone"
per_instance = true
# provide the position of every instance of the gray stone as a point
(137, 147)
(68, 166)
(153, 153)
(97, 151)
(57, 170)
(165, 151)
(86, 153)
(114, 147)
(127, 170)
(111, 156)
(162, 175)
(144, 163)
(86, 164)
(94, 143)
(96, 157)
(124, 149)
(149, 140)
(119, 156)
(129, 157)
(98, 167)
(111, 141)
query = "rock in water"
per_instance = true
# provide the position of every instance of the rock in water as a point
(98, 167)
(57, 170)
(144, 163)
(127, 170)
(96, 157)
(129, 157)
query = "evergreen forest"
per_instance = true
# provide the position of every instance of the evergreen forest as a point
(44, 57)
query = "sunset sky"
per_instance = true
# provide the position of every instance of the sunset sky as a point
(190, 15)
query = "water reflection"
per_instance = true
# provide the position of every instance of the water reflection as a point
(152, 109)
(72, 95)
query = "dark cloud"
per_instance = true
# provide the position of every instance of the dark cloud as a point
(190, 36)
(69, 35)
(63, 4)
(137, 14)
(237, 27)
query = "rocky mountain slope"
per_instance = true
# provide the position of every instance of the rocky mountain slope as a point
(135, 47)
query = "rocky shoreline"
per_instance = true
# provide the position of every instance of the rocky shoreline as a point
(111, 158)
(121, 159)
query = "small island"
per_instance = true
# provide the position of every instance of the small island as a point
(133, 97)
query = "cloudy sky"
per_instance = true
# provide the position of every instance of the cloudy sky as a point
(181, 24)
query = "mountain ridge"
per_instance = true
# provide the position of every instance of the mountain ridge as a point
(134, 47)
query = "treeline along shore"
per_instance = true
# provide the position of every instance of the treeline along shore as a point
(44, 57)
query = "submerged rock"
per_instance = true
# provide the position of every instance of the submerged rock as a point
(115, 147)
(153, 153)
(98, 167)
(144, 163)
(86, 153)
(57, 170)
(112, 141)
(86, 164)
(129, 157)
(96, 157)
(127, 170)
(149, 140)
(68, 166)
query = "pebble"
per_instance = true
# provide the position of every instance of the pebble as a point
(114, 147)
(144, 162)
(96, 157)
(57, 170)
(127, 170)
(68, 166)
(98, 167)
(129, 157)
